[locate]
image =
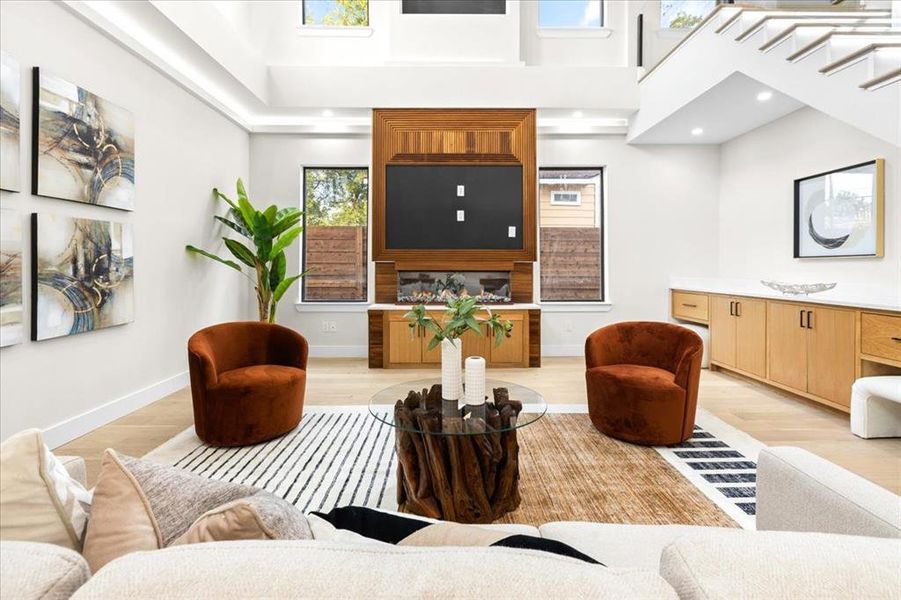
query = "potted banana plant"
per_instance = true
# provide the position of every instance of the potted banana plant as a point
(269, 233)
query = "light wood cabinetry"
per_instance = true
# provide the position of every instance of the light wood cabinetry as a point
(880, 337)
(689, 306)
(408, 346)
(750, 336)
(404, 342)
(810, 349)
(722, 330)
(738, 333)
(787, 347)
(830, 354)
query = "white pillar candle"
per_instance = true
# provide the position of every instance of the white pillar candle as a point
(474, 378)
(451, 364)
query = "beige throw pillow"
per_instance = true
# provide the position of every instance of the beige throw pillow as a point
(259, 517)
(39, 500)
(122, 520)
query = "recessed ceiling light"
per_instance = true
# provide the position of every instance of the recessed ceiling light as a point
(577, 114)
(764, 96)
(697, 131)
(328, 113)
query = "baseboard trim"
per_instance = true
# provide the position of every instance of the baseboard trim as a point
(338, 351)
(77, 426)
(562, 350)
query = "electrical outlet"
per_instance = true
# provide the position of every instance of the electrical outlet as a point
(511, 231)
(332, 327)
(461, 216)
(461, 191)
(325, 326)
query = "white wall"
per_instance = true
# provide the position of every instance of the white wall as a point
(661, 211)
(275, 169)
(756, 200)
(183, 149)
(661, 219)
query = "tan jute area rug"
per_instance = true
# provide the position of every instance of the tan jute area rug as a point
(571, 472)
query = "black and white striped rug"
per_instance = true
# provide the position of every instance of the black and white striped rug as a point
(721, 461)
(333, 458)
(341, 456)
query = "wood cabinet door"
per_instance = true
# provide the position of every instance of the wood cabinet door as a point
(722, 330)
(750, 336)
(432, 356)
(830, 354)
(477, 345)
(404, 343)
(787, 344)
(512, 349)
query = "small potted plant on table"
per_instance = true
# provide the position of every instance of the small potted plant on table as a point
(459, 318)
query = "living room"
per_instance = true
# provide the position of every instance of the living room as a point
(607, 293)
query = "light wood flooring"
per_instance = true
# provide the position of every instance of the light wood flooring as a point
(773, 417)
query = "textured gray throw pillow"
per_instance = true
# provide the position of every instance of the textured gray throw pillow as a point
(143, 505)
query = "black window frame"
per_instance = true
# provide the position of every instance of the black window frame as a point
(303, 246)
(602, 225)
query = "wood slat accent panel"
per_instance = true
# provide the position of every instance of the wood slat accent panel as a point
(521, 282)
(385, 283)
(449, 136)
(376, 342)
(534, 338)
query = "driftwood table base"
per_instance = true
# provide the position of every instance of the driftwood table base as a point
(455, 469)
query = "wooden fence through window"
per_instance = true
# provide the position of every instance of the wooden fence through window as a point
(571, 263)
(338, 259)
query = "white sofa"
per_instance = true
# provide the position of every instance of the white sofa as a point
(832, 535)
(876, 407)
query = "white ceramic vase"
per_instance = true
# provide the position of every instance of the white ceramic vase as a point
(451, 370)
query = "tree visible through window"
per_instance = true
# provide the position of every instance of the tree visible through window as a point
(335, 205)
(684, 14)
(336, 13)
(571, 234)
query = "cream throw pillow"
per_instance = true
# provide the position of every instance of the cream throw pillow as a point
(39, 501)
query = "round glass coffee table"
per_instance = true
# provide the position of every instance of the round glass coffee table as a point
(457, 463)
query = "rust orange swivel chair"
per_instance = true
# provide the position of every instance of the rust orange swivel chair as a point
(247, 381)
(642, 381)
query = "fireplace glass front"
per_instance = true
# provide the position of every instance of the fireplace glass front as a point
(423, 287)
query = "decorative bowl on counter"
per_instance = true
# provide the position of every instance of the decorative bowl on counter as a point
(798, 289)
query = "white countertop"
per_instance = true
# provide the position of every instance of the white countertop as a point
(442, 307)
(854, 295)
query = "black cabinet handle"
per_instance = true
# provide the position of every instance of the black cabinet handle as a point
(896, 339)
(690, 305)
(801, 324)
(738, 309)
(809, 314)
(732, 308)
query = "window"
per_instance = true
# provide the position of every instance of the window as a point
(335, 216)
(571, 234)
(335, 13)
(684, 14)
(560, 197)
(570, 13)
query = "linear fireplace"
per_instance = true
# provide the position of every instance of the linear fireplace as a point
(490, 287)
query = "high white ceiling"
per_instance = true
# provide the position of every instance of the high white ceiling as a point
(728, 109)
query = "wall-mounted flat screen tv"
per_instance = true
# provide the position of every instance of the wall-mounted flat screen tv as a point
(453, 207)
